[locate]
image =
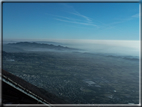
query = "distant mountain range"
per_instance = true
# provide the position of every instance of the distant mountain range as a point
(33, 46)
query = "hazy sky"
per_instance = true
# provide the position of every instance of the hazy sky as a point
(95, 21)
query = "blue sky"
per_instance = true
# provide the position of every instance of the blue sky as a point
(93, 21)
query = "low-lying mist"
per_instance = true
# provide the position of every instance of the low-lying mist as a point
(118, 47)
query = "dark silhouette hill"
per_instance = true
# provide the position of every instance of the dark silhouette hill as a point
(33, 46)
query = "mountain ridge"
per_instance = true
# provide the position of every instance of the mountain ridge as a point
(33, 46)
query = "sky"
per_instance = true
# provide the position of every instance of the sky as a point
(89, 21)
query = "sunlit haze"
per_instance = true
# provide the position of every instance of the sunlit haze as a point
(100, 27)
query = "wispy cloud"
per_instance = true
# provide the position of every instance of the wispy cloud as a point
(71, 15)
(130, 17)
(85, 17)
(135, 15)
(77, 22)
(63, 17)
(122, 20)
(74, 17)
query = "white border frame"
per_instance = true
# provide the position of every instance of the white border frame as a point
(140, 58)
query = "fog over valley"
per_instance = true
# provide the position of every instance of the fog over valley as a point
(118, 47)
(115, 47)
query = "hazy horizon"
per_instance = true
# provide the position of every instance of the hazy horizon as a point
(95, 27)
(118, 47)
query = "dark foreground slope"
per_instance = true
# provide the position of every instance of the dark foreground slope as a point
(12, 95)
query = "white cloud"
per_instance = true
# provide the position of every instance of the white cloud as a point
(81, 19)
(78, 18)
(77, 22)
(111, 25)
(85, 17)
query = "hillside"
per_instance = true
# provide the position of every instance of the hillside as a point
(33, 46)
